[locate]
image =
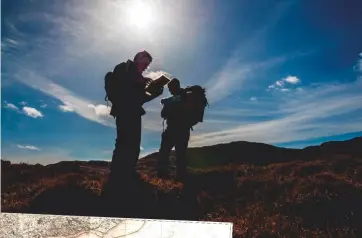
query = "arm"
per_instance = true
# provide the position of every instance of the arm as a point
(150, 97)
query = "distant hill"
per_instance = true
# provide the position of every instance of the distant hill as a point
(244, 152)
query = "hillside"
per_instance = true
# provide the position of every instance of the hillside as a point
(262, 154)
(316, 194)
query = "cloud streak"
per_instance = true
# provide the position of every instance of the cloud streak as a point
(78, 104)
(238, 69)
(311, 114)
(85, 108)
(67, 107)
(28, 147)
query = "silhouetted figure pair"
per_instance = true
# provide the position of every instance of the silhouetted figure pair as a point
(126, 89)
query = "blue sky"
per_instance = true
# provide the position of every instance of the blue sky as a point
(287, 73)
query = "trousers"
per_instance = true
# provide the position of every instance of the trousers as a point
(174, 137)
(126, 151)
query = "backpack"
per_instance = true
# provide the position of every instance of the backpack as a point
(196, 103)
(109, 86)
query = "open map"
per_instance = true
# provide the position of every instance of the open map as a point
(14, 225)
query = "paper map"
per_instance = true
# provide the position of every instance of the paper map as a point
(16, 225)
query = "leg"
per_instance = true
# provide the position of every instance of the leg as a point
(181, 154)
(126, 150)
(135, 144)
(164, 152)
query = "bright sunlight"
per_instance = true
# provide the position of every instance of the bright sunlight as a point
(140, 14)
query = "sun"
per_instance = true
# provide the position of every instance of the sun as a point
(140, 14)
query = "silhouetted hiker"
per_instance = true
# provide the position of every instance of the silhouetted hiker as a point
(125, 88)
(181, 111)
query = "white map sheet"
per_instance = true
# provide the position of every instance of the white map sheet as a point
(16, 225)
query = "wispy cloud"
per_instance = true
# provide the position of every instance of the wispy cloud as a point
(314, 113)
(234, 74)
(43, 105)
(23, 103)
(28, 147)
(83, 107)
(67, 107)
(11, 106)
(281, 85)
(238, 69)
(78, 104)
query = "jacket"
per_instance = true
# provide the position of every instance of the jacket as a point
(130, 96)
(175, 112)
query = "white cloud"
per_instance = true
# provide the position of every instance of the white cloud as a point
(278, 85)
(292, 79)
(28, 147)
(67, 107)
(32, 112)
(23, 103)
(100, 110)
(43, 105)
(11, 106)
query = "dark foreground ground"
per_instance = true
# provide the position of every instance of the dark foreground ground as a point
(319, 198)
(310, 199)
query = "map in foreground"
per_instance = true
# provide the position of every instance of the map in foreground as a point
(14, 225)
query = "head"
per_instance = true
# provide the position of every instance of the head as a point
(174, 86)
(142, 59)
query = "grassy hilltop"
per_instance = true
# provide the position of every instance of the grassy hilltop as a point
(264, 190)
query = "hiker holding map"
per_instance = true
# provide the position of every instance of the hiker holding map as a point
(128, 90)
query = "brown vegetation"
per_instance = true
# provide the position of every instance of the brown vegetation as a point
(320, 198)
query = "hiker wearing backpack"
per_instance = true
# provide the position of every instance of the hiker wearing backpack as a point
(126, 90)
(181, 112)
